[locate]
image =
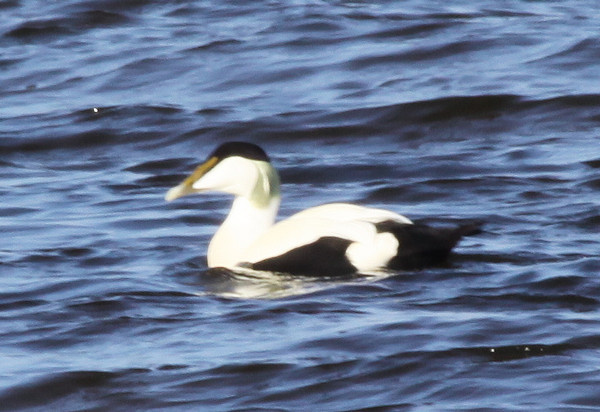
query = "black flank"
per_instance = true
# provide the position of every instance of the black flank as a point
(324, 257)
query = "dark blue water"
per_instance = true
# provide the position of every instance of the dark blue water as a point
(442, 111)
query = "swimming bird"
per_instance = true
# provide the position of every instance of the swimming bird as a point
(327, 240)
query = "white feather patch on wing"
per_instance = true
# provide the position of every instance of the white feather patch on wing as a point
(373, 254)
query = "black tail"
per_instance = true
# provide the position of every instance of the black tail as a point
(421, 245)
(468, 229)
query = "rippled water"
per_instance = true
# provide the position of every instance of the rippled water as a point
(443, 112)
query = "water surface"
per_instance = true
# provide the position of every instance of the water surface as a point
(442, 112)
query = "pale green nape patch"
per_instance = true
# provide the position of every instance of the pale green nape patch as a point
(267, 185)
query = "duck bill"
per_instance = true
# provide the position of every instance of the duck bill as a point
(186, 187)
(178, 191)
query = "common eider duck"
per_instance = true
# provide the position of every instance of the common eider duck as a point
(327, 240)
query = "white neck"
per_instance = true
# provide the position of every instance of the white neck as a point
(246, 221)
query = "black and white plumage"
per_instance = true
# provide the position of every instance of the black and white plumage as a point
(331, 239)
